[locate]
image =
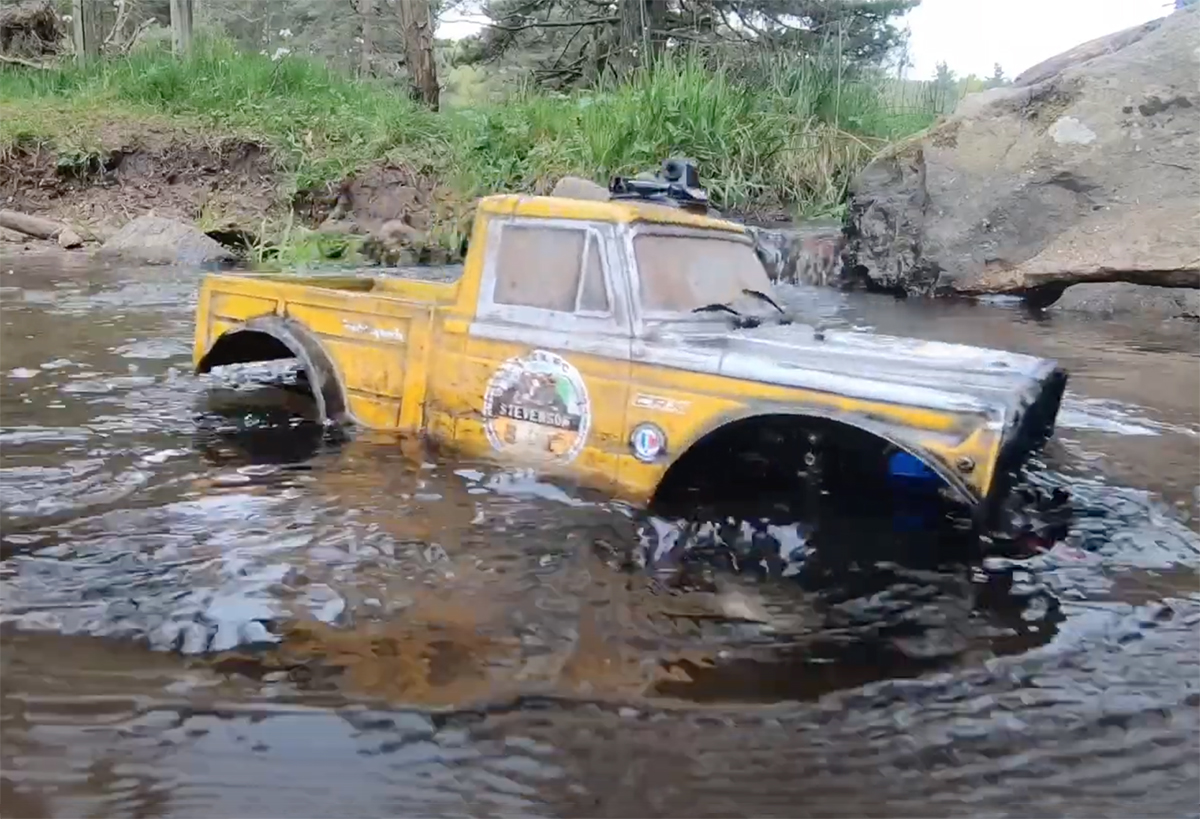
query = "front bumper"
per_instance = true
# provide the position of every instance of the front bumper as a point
(1029, 429)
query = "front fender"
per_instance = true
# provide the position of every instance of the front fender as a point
(886, 435)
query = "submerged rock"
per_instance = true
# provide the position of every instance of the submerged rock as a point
(1086, 168)
(1113, 298)
(69, 239)
(574, 187)
(157, 240)
(396, 242)
(805, 254)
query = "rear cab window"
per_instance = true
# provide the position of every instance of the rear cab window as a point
(540, 267)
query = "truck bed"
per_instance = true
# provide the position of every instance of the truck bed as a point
(350, 280)
(446, 273)
(369, 335)
(366, 280)
(419, 284)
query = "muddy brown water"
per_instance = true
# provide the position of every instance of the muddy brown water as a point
(210, 609)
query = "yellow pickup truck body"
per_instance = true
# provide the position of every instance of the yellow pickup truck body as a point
(572, 342)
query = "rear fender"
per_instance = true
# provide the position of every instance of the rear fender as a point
(270, 337)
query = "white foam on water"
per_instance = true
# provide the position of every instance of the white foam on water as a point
(1102, 415)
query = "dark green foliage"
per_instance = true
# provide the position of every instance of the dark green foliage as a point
(571, 42)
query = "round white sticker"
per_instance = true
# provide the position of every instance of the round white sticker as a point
(537, 404)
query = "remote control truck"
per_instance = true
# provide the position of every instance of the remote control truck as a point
(635, 344)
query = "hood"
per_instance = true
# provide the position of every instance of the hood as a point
(910, 371)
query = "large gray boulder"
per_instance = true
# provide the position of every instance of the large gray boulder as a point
(1122, 298)
(1086, 169)
(153, 239)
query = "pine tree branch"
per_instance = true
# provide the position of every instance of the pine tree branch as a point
(591, 21)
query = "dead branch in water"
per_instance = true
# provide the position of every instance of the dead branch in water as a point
(34, 226)
(67, 237)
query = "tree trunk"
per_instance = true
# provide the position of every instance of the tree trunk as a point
(86, 28)
(595, 56)
(368, 37)
(416, 26)
(657, 19)
(632, 14)
(639, 38)
(181, 26)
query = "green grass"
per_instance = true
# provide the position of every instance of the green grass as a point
(320, 125)
(786, 135)
(778, 134)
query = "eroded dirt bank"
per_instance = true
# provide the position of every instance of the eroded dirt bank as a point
(232, 189)
(223, 183)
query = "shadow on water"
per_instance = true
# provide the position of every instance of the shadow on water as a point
(270, 419)
(891, 591)
(394, 631)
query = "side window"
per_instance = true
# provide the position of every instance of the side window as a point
(539, 267)
(593, 296)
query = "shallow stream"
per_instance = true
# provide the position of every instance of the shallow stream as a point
(210, 609)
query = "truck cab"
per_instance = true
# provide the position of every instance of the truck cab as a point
(633, 347)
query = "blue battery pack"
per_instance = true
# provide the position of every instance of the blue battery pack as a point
(907, 469)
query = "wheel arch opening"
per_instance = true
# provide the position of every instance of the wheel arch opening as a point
(781, 458)
(274, 339)
(244, 346)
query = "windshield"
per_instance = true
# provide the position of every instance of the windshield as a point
(680, 273)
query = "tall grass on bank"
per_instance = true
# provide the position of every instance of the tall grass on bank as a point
(785, 139)
(784, 133)
(320, 125)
